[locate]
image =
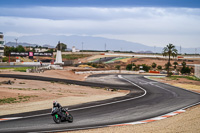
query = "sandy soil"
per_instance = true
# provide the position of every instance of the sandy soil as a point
(29, 93)
(187, 122)
(64, 74)
(160, 61)
(181, 82)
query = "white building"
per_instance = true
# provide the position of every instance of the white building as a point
(1, 44)
(42, 49)
(75, 50)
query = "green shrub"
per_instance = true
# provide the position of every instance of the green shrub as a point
(118, 67)
(146, 67)
(185, 70)
(94, 65)
(7, 100)
(154, 65)
(129, 67)
(5, 59)
(159, 67)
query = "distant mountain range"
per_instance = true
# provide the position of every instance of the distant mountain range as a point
(14, 44)
(87, 43)
(24, 44)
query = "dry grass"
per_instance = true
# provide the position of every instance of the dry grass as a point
(188, 87)
(11, 100)
(125, 60)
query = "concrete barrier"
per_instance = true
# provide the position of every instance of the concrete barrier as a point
(197, 71)
(108, 71)
(4, 64)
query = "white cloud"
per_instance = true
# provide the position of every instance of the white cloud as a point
(93, 13)
(145, 25)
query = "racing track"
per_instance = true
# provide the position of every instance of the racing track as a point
(147, 99)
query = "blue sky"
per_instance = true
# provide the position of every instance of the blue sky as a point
(151, 22)
(103, 3)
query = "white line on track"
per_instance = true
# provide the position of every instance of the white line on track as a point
(152, 83)
(165, 89)
(137, 122)
(148, 77)
(145, 92)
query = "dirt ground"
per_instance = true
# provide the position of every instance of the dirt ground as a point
(66, 73)
(187, 122)
(181, 82)
(23, 95)
(162, 62)
(148, 60)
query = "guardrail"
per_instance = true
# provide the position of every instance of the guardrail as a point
(197, 71)
(108, 71)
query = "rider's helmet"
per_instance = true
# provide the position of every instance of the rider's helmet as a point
(55, 103)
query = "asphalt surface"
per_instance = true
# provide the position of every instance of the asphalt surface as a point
(147, 99)
(104, 59)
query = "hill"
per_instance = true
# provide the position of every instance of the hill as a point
(89, 43)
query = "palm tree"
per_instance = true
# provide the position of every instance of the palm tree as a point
(169, 51)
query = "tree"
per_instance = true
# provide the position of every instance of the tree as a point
(7, 49)
(129, 67)
(175, 64)
(167, 65)
(169, 51)
(20, 48)
(61, 46)
(183, 64)
(185, 70)
(118, 67)
(5, 59)
(50, 50)
(146, 67)
(154, 65)
(159, 67)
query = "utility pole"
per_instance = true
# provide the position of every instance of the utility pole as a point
(180, 49)
(16, 41)
(154, 49)
(105, 47)
(82, 48)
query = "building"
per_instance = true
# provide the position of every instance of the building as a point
(1, 44)
(75, 50)
(42, 49)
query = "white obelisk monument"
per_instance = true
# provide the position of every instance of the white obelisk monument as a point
(59, 55)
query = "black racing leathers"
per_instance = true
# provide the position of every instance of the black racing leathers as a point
(61, 110)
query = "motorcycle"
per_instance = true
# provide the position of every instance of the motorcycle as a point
(61, 115)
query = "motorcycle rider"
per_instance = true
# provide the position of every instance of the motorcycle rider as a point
(56, 104)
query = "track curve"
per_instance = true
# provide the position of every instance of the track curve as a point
(159, 99)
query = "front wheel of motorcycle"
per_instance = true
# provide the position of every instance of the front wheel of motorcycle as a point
(70, 118)
(56, 119)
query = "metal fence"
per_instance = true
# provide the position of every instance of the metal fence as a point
(197, 71)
